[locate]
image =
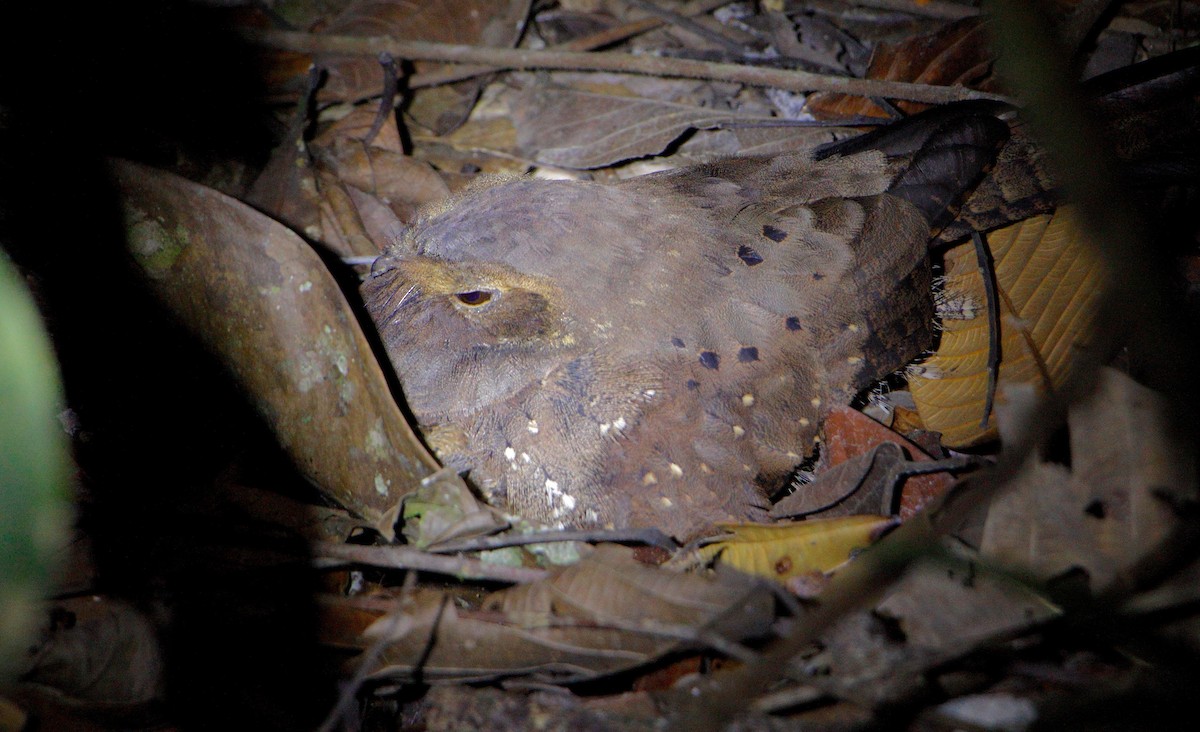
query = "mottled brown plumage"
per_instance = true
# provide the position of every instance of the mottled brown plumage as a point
(656, 351)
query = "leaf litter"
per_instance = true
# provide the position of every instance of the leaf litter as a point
(1011, 585)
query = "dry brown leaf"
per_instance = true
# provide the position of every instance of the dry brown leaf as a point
(784, 551)
(753, 140)
(398, 181)
(849, 432)
(562, 115)
(494, 135)
(868, 483)
(957, 54)
(576, 129)
(1049, 282)
(862, 484)
(286, 189)
(1113, 505)
(343, 231)
(937, 612)
(605, 614)
(370, 191)
(356, 197)
(486, 143)
(261, 299)
(94, 649)
(469, 22)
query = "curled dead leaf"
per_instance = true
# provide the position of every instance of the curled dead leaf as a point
(385, 187)
(605, 614)
(851, 435)
(956, 54)
(1129, 470)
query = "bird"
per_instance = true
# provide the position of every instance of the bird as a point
(660, 351)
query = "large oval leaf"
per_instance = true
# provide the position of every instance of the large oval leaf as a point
(261, 299)
(1049, 281)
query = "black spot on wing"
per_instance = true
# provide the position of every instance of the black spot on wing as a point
(692, 384)
(748, 354)
(774, 233)
(710, 360)
(793, 323)
(677, 342)
(749, 256)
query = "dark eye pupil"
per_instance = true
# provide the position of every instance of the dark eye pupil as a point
(474, 297)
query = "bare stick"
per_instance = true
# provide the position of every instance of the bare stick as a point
(649, 537)
(585, 43)
(402, 557)
(506, 58)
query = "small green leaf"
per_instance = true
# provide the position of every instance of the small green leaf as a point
(34, 500)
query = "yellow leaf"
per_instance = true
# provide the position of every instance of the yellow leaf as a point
(1049, 281)
(783, 551)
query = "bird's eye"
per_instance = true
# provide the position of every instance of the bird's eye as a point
(474, 297)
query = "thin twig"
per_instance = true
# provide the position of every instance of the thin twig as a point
(387, 100)
(402, 557)
(987, 271)
(590, 42)
(349, 692)
(507, 58)
(649, 537)
(1078, 25)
